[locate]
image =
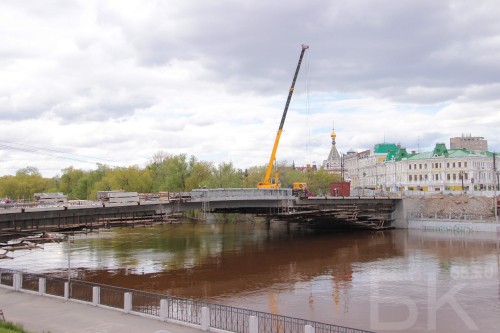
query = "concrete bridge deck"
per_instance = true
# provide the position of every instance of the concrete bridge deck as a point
(277, 203)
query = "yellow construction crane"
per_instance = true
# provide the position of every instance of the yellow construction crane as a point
(267, 182)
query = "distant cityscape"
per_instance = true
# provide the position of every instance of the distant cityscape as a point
(465, 166)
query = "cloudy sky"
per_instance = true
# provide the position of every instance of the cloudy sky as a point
(114, 82)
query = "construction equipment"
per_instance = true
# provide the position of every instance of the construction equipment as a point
(299, 189)
(267, 182)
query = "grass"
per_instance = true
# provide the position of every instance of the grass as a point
(7, 327)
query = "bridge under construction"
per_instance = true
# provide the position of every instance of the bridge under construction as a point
(275, 204)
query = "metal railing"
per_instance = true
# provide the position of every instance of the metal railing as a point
(241, 194)
(166, 308)
(460, 216)
(144, 302)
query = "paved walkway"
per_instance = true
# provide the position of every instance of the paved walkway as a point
(47, 314)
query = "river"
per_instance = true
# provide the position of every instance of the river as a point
(386, 281)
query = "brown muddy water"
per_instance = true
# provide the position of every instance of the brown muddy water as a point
(386, 281)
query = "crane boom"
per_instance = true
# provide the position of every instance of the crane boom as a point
(266, 183)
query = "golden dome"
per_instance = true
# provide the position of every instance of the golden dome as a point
(333, 135)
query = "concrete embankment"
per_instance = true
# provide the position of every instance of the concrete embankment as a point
(457, 213)
(454, 225)
(47, 314)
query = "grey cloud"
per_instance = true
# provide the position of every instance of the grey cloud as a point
(374, 47)
(370, 48)
(421, 51)
(481, 92)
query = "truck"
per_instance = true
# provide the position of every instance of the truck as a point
(299, 189)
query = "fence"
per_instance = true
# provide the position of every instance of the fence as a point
(198, 314)
(452, 216)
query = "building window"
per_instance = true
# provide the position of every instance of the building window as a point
(437, 177)
(448, 164)
(453, 164)
(454, 176)
(425, 166)
(465, 164)
(420, 166)
(409, 166)
(409, 178)
(448, 176)
(459, 164)
(420, 177)
(426, 177)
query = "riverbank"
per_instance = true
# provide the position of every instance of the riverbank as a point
(47, 314)
(336, 278)
(462, 204)
(454, 225)
(456, 213)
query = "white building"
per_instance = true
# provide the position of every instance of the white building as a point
(391, 168)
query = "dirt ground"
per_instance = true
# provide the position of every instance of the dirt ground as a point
(456, 204)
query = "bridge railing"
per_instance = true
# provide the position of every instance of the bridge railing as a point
(198, 314)
(241, 194)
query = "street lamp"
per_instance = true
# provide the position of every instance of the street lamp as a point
(461, 175)
(364, 175)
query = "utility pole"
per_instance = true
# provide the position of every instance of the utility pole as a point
(69, 258)
(495, 204)
(342, 167)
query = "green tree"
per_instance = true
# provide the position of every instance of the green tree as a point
(252, 176)
(169, 172)
(8, 186)
(24, 184)
(87, 185)
(226, 176)
(69, 182)
(318, 182)
(28, 171)
(84, 187)
(290, 175)
(199, 175)
(177, 171)
(131, 179)
(158, 170)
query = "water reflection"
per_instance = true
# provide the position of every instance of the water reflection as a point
(383, 281)
(214, 261)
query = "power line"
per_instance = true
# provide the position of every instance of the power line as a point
(9, 145)
(41, 153)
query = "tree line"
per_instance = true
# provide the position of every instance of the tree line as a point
(164, 173)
